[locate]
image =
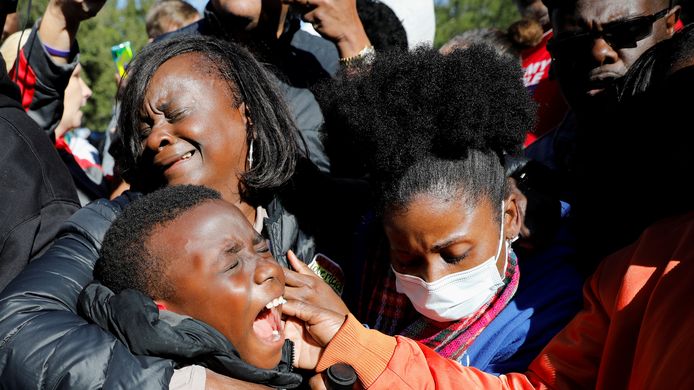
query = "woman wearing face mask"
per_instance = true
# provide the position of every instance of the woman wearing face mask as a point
(433, 131)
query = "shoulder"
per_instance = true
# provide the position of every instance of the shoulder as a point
(663, 245)
(324, 50)
(29, 151)
(548, 297)
(37, 192)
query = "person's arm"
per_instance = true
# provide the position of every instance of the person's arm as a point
(337, 21)
(384, 362)
(48, 59)
(570, 360)
(59, 25)
(37, 195)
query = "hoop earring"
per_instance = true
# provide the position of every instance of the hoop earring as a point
(250, 155)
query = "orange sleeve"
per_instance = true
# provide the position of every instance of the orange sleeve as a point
(570, 360)
(367, 351)
(385, 362)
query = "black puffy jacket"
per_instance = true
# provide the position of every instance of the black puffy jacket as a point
(44, 344)
(36, 192)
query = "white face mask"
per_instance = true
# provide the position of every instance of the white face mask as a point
(457, 295)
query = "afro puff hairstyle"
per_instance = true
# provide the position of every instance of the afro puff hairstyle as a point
(423, 122)
(125, 261)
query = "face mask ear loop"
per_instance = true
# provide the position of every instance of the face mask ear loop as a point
(502, 242)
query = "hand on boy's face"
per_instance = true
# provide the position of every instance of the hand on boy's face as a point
(320, 324)
(306, 349)
(304, 285)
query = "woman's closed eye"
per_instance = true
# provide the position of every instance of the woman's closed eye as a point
(454, 259)
(144, 133)
(174, 116)
(231, 265)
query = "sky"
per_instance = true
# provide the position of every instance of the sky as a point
(199, 4)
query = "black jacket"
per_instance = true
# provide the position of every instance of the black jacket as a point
(36, 191)
(44, 344)
(43, 83)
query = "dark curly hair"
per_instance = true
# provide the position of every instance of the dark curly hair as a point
(125, 261)
(423, 122)
(275, 135)
(382, 26)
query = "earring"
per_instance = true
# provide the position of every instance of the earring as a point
(250, 155)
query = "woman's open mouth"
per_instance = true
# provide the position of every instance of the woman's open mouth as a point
(268, 324)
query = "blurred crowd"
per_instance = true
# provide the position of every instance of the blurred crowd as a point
(308, 194)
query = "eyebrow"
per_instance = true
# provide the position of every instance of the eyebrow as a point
(441, 245)
(236, 248)
(258, 239)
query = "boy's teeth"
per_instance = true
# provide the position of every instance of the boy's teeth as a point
(187, 156)
(275, 302)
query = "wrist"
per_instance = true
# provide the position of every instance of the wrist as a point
(350, 44)
(367, 351)
(57, 32)
(365, 56)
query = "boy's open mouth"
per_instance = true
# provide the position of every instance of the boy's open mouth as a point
(267, 324)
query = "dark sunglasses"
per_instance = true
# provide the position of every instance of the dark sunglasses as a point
(619, 35)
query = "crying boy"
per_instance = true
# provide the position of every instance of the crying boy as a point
(195, 256)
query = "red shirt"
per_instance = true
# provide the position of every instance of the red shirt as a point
(536, 62)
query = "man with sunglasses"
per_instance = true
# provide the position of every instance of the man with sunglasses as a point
(594, 44)
(596, 41)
